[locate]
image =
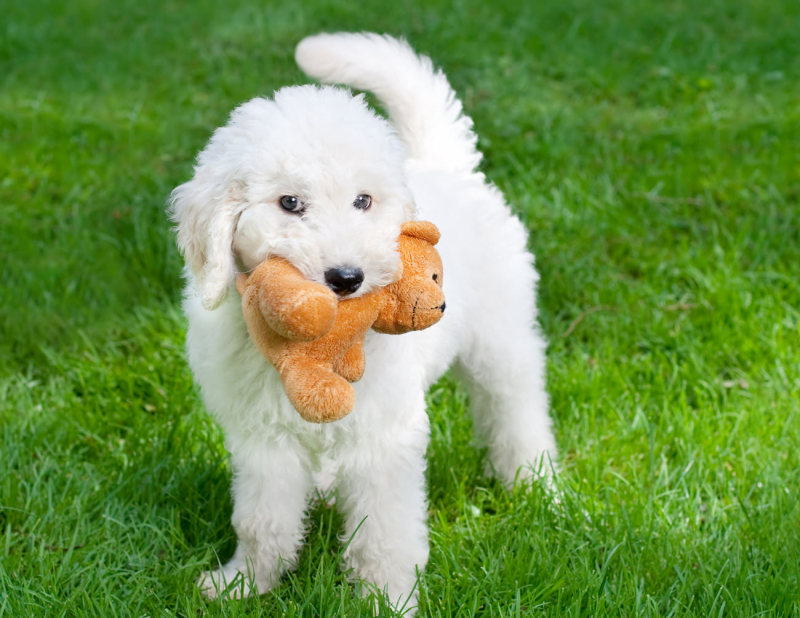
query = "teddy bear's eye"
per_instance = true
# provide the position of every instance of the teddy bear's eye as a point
(435, 277)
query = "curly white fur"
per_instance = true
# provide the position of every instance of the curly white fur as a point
(326, 146)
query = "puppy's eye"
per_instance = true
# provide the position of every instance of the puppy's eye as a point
(362, 202)
(291, 204)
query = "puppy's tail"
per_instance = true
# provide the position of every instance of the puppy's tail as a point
(421, 104)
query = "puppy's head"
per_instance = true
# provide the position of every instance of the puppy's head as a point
(312, 176)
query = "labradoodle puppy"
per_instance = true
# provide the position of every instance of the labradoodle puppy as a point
(313, 175)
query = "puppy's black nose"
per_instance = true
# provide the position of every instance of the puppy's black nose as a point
(344, 281)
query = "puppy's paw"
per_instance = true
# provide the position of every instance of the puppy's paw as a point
(381, 600)
(517, 470)
(226, 583)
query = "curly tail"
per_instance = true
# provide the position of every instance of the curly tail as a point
(418, 98)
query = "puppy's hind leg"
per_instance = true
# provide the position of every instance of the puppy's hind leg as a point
(509, 406)
(503, 365)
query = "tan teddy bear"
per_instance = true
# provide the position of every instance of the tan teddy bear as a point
(316, 341)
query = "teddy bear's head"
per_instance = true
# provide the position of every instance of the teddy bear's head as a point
(419, 291)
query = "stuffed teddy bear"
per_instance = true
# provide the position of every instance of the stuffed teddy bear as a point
(315, 341)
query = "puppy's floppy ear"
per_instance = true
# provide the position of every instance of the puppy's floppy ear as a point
(424, 230)
(206, 214)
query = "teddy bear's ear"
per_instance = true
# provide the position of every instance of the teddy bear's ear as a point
(424, 230)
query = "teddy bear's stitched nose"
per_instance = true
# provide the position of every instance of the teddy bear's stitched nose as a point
(344, 281)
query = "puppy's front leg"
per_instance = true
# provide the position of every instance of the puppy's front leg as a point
(271, 486)
(381, 488)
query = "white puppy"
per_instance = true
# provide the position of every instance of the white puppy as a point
(316, 177)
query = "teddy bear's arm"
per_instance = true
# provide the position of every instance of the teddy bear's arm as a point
(351, 365)
(292, 306)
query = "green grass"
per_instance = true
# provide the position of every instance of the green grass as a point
(652, 149)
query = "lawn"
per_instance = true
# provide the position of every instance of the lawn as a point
(652, 150)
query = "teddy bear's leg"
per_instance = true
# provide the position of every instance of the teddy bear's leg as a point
(317, 393)
(351, 365)
(381, 490)
(271, 485)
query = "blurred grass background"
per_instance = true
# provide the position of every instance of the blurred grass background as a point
(650, 147)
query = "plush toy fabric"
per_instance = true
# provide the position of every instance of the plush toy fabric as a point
(316, 341)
